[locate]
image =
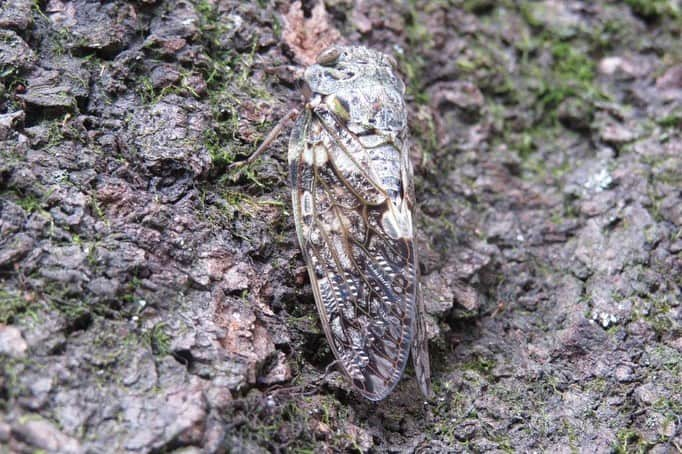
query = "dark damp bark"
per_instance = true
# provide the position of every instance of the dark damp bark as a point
(152, 300)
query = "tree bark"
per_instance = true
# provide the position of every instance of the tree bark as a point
(152, 298)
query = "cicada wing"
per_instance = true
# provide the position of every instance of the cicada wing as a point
(361, 263)
(420, 343)
(420, 349)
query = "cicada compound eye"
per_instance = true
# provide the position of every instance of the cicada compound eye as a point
(329, 56)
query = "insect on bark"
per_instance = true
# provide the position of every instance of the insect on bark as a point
(353, 202)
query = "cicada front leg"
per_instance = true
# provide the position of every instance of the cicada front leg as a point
(271, 137)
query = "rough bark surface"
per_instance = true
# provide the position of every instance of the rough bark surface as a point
(153, 300)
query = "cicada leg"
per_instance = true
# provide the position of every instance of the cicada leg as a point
(271, 137)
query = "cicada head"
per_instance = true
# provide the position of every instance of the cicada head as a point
(360, 86)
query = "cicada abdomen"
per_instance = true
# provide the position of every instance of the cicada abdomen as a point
(353, 200)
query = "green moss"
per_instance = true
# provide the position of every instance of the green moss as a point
(572, 74)
(483, 366)
(10, 79)
(96, 208)
(659, 316)
(608, 34)
(481, 6)
(670, 408)
(504, 443)
(410, 59)
(73, 309)
(228, 75)
(599, 385)
(629, 441)
(11, 387)
(60, 41)
(572, 64)
(152, 95)
(29, 203)
(55, 133)
(12, 305)
(673, 120)
(571, 434)
(424, 131)
(221, 155)
(654, 9)
(528, 12)
(556, 80)
(275, 425)
(145, 89)
(129, 294)
(159, 339)
(76, 308)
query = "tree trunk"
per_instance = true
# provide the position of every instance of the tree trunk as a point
(152, 298)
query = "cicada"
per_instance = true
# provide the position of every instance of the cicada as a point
(353, 202)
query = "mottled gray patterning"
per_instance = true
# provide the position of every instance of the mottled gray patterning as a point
(353, 200)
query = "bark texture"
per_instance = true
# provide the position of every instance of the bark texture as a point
(152, 300)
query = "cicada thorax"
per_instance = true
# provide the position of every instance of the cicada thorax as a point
(351, 183)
